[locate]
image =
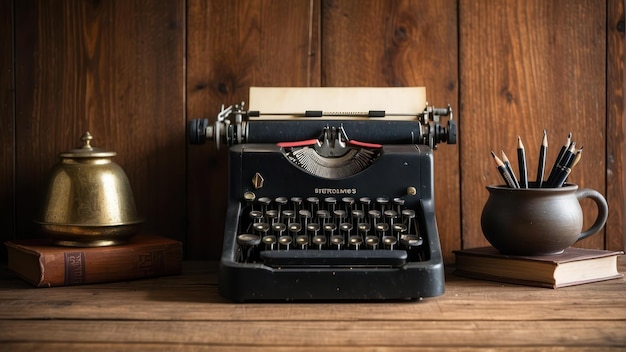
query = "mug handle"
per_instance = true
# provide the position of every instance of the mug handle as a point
(603, 210)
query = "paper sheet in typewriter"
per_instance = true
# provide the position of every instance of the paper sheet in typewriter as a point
(396, 102)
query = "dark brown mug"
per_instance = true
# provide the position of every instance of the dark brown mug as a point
(538, 221)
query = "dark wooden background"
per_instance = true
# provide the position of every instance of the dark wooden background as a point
(134, 72)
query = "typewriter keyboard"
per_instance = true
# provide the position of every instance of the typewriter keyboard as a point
(329, 231)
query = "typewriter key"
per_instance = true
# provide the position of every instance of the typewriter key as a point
(320, 241)
(399, 229)
(389, 241)
(269, 241)
(355, 241)
(302, 241)
(364, 228)
(371, 241)
(365, 204)
(262, 227)
(411, 241)
(285, 241)
(330, 203)
(336, 240)
(248, 239)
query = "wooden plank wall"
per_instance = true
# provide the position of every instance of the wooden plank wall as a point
(7, 131)
(543, 68)
(134, 72)
(116, 69)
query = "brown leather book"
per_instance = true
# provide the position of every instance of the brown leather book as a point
(45, 265)
(574, 266)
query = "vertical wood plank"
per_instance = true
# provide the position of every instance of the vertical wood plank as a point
(7, 119)
(114, 68)
(616, 148)
(527, 66)
(402, 43)
(234, 45)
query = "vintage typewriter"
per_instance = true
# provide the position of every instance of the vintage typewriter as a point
(330, 194)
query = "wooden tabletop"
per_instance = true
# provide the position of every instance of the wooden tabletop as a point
(186, 313)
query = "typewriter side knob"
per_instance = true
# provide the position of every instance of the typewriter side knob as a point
(434, 132)
(198, 131)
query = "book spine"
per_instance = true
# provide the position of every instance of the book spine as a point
(108, 265)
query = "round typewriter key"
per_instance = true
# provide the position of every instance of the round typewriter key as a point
(374, 215)
(265, 202)
(248, 239)
(255, 215)
(269, 241)
(399, 228)
(389, 241)
(371, 241)
(302, 240)
(345, 226)
(358, 214)
(314, 203)
(279, 228)
(249, 196)
(330, 203)
(391, 214)
(289, 214)
(364, 227)
(294, 227)
(382, 227)
(355, 241)
(313, 227)
(411, 240)
(261, 227)
(336, 240)
(330, 227)
(365, 204)
(382, 203)
(296, 202)
(319, 241)
(285, 241)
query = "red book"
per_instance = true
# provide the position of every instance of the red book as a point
(45, 265)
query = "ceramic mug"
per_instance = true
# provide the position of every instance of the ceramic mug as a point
(538, 221)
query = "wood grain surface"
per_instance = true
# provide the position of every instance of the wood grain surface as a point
(527, 67)
(112, 68)
(186, 312)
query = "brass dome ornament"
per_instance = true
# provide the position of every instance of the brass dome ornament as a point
(89, 200)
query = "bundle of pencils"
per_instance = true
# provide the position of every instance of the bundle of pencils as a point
(567, 158)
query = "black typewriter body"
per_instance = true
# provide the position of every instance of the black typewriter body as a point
(327, 217)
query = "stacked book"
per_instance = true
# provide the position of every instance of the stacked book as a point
(45, 265)
(574, 266)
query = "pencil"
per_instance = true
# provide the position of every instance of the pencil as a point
(563, 167)
(521, 161)
(509, 169)
(571, 165)
(541, 166)
(562, 176)
(502, 169)
(554, 170)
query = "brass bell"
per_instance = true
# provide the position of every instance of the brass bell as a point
(89, 200)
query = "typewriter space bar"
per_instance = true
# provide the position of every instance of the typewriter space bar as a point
(334, 258)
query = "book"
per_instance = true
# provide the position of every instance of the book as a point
(575, 266)
(43, 264)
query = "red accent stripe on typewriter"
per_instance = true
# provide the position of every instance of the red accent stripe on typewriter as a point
(365, 145)
(297, 143)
